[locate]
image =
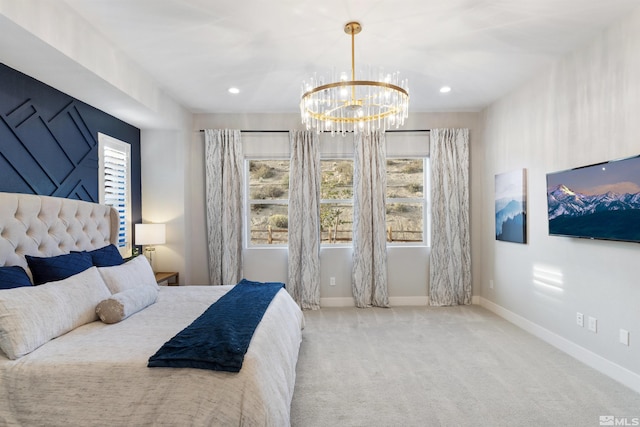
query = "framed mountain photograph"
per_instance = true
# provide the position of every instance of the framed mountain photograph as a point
(511, 206)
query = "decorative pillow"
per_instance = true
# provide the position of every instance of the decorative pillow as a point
(125, 303)
(59, 267)
(31, 316)
(131, 274)
(107, 256)
(13, 277)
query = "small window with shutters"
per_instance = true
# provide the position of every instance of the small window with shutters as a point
(114, 176)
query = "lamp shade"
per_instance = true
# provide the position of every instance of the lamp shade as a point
(150, 234)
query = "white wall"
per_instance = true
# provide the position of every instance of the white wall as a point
(164, 193)
(407, 266)
(584, 110)
(98, 73)
(49, 41)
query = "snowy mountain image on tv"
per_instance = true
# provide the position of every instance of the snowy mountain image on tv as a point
(511, 217)
(600, 201)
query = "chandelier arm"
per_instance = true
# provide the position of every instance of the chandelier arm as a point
(328, 112)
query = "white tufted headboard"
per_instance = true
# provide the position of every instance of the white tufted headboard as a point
(48, 226)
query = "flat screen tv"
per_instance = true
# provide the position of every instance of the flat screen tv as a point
(600, 201)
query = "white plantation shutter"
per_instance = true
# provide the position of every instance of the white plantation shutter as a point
(115, 184)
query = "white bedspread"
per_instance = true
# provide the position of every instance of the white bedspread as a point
(97, 374)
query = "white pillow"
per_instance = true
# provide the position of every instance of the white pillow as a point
(125, 303)
(30, 316)
(131, 274)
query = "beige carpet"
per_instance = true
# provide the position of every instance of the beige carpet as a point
(453, 366)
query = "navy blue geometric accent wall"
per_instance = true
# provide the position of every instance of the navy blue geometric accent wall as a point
(49, 141)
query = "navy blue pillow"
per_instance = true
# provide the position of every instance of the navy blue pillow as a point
(107, 256)
(13, 277)
(58, 267)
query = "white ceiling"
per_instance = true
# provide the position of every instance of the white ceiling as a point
(197, 49)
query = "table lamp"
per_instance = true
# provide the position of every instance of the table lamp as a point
(148, 235)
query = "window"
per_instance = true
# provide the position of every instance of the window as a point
(336, 201)
(406, 200)
(268, 201)
(114, 180)
(405, 203)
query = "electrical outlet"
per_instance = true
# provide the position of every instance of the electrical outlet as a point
(491, 284)
(593, 324)
(332, 281)
(624, 337)
(580, 319)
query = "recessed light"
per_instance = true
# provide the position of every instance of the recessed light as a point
(234, 90)
(445, 89)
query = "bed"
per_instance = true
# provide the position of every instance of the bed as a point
(96, 373)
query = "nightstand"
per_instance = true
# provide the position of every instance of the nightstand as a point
(164, 277)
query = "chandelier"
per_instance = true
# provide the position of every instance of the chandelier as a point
(377, 101)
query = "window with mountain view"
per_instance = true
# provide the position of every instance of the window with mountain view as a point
(406, 201)
(268, 193)
(268, 201)
(336, 201)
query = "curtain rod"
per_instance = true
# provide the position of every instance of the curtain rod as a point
(258, 131)
(286, 131)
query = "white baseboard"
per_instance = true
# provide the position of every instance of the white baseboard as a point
(393, 301)
(611, 369)
(398, 301)
(337, 302)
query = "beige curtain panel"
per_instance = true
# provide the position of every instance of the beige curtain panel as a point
(369, 275)
(223, 175)
(450, 263)
(304, 220)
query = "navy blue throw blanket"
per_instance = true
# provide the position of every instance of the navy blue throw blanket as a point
(219, 338)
